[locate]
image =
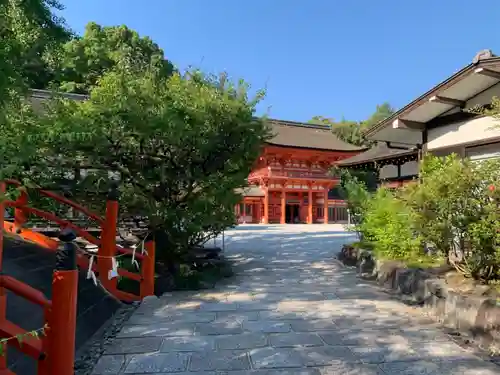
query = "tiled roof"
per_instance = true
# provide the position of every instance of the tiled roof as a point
(379, 152)
(298, 134)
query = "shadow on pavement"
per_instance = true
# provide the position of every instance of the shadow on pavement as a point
(291, 309)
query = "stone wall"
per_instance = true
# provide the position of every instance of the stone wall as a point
(473, 316)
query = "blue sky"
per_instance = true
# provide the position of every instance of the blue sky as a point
(315, 57)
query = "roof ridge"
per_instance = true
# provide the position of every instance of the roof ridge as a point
(298, 124)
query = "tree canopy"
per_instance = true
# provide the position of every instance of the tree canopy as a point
(30, 34)
(351, 131)
(83, 60)
(180, 143)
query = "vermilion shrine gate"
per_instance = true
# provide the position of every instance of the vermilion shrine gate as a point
(291, 180)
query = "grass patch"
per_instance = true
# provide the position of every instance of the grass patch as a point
(417, 261)
(424, 262)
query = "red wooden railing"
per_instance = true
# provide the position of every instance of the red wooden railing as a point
(271, 172)
(107, 247)
(54, 351)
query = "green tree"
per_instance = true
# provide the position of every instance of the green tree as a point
(354, 190)
(84, 60)
(444, 200)
(388, 225)
(456, 209)
(382, 112)
(30, 34)
(351, 131)
(181, 144)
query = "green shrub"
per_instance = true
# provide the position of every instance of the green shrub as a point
(354, 191)
(388, 224)
(454, 208)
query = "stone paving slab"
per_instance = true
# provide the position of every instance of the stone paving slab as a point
(243, 341)
(291, 310)
(287, 340)
(157, 330)
(240, 316)
(135, 345)
(228, 360)
(187, 344)
(156, 363)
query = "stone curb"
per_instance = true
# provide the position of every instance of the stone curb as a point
(476, 318)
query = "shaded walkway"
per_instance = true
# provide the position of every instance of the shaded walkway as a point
(290, 310)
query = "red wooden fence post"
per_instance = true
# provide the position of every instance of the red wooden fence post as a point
(3, 295)
(19, 214)
(62, 328)
(148, 270)
(108, 241)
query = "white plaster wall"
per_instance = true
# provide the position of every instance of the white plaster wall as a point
(491, 151)
(409, 168)
(459, 150)
(484, 97)
(388, 171)
(479, 129)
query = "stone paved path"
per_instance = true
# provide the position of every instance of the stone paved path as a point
(290, 311)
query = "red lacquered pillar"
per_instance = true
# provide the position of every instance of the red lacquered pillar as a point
(148, 270)
(19, 215)
(3, 295)
(108, 241)
(62, 326)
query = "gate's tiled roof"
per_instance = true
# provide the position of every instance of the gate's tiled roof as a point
(302, 135)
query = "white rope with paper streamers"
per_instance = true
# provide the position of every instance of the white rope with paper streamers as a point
(113, 272)
(134, 261)
(143, 250)
(90, 271)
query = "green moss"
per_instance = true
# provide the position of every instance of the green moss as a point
(424, 262)
(418, 261)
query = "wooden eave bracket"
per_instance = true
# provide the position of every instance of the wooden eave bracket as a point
(448, 101)
(488, 73)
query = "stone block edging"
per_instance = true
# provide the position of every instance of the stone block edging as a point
(472, 316)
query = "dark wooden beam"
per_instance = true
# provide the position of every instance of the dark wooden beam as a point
(445, 100)
(488, 73)
(407, 124)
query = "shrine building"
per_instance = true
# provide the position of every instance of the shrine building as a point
(393, 164)
(291, 181)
